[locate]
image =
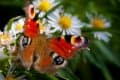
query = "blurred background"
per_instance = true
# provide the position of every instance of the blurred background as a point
(104, 63)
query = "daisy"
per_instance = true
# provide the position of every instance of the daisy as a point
(99, 22)
(17, 26)
(6, 39)
(65, 23)
(5, 43)
(43, 6)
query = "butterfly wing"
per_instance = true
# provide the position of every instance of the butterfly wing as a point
(43, 62)
(67, 45)
(27, 48)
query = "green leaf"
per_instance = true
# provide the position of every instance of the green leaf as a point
(106, 73)
(17, 3)
(52, 77)
(34, 75)
(9, 25)
(107, 53)
(91, 58)
(99, 64)
(67, 74)
(76, 61)
(6, 51)
(57, 34)
(103, 68)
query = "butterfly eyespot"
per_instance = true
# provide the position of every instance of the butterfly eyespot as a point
(58, 60)
(25, 41)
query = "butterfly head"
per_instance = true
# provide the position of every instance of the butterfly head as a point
(30, 11)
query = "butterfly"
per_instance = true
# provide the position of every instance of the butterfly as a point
(49, 55)
(46, 55)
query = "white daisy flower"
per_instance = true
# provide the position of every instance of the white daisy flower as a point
(99, 22)
(102, 36)
(65, 23)
(44, 6)
(17, 26)
(6, 39)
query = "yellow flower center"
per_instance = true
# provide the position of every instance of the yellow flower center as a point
(65, 22)
(45, 5)
(10, 78)
(19, 26)
(5, 36)
(98, 23)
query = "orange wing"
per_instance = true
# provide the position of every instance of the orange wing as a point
(43, 62)
(27, 51)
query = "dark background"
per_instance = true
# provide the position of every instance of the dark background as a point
(7, 12)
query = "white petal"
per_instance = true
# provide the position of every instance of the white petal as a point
(102, 36)
(74, 31)
(107, 24)
(54, 16)
(41, 14)
(36, 3)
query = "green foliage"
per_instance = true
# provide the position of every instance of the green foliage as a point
(67, 74)
(15, 3)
